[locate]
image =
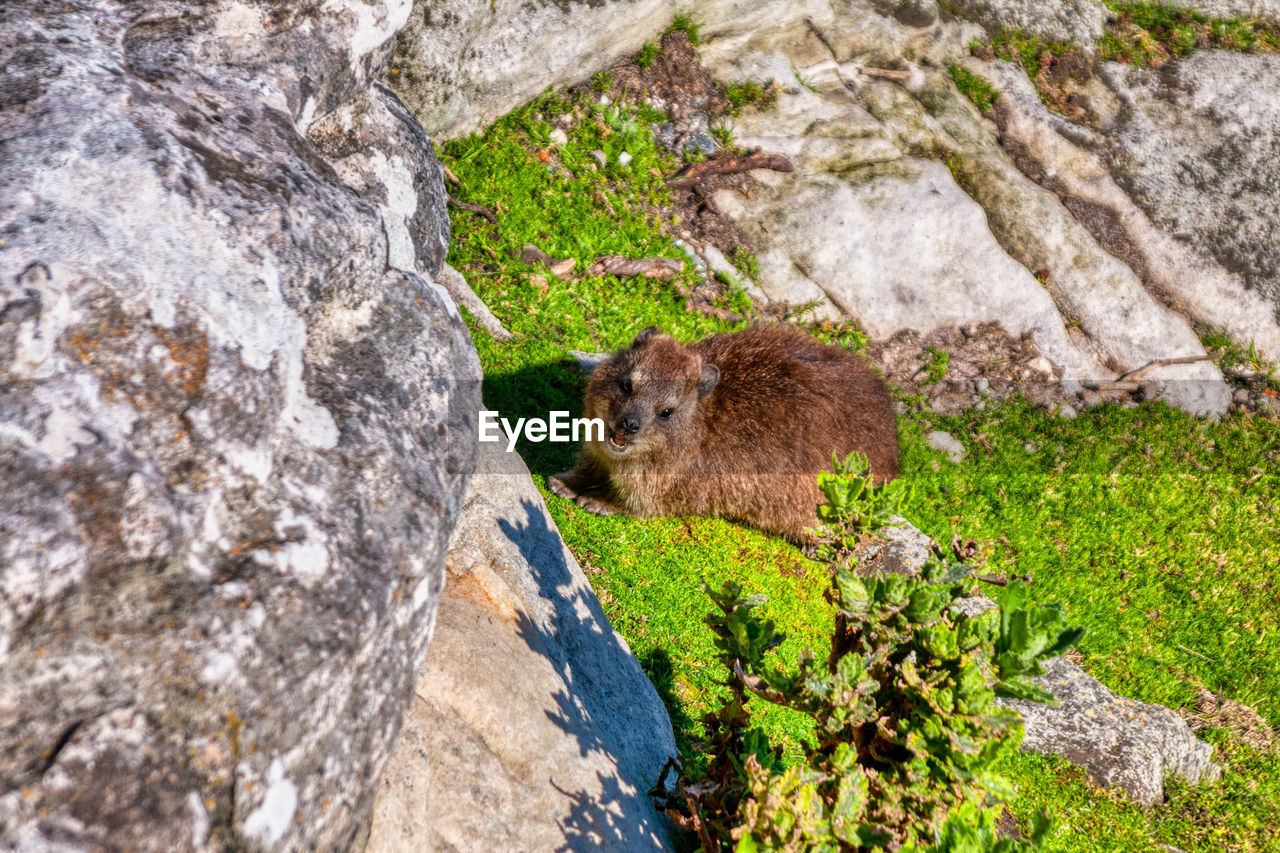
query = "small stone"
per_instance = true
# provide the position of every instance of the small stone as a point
(1042, 365)
(558, 137)
(600, 157)
(981, 385)
(1066, 411)
(1090, 397)
(560, 269)
(624, 158)
(947, 443)
(700, 143)
(1240, 397)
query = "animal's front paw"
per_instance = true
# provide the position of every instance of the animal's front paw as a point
(595, 505)
(556, 485)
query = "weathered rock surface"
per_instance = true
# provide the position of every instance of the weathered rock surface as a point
(905, 248)
(1121, 743)
(1199, 150)
(1061, 156)
(1078, 21)
(533, 726)
(461, 65)
(1121, 324)
(238, 420)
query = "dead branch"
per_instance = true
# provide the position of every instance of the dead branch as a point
(474, 208)
(690, 175)
(662, 269)
(888, 74)
(1163, 362)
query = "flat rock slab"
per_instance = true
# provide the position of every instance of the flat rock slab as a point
(533, 727)
(1121, 743)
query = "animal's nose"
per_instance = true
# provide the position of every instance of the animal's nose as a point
(631, 426)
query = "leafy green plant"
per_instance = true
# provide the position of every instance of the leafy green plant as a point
(907, 735)
(853, 504)
(973, 87)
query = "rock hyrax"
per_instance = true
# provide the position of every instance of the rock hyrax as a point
(736, 426)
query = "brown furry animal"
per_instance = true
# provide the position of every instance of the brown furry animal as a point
(736, 426)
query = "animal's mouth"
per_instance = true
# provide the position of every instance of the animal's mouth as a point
(617, 441)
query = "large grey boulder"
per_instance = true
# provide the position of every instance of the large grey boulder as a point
(903, 246)
(462, 65)
(901, 249)
(1198, 148)
(533, 727)
(1121, 743)
(237, 422)
(1073, 162)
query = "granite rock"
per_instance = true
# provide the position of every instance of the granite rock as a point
(533, 726)
(238, 421)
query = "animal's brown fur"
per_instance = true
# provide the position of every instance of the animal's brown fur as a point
(754, 416)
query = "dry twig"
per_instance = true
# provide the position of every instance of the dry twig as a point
(690, 175)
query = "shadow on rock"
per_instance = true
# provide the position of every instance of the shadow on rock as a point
(603, 705)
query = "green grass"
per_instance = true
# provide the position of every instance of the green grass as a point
(1158, 532)
(647, 54)
(685, 23)
(973, 87)
(1150, 34)
(1229, 354)
(936, 369)
(742, 93)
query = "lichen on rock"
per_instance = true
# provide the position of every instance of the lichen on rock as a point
(238, 422)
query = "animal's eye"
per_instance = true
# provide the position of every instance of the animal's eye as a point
(666, 413)
(625, 385)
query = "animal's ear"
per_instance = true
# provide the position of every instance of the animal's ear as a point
(644, 335)
(710, 376)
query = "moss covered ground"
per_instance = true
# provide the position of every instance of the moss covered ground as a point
(1158, 531)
